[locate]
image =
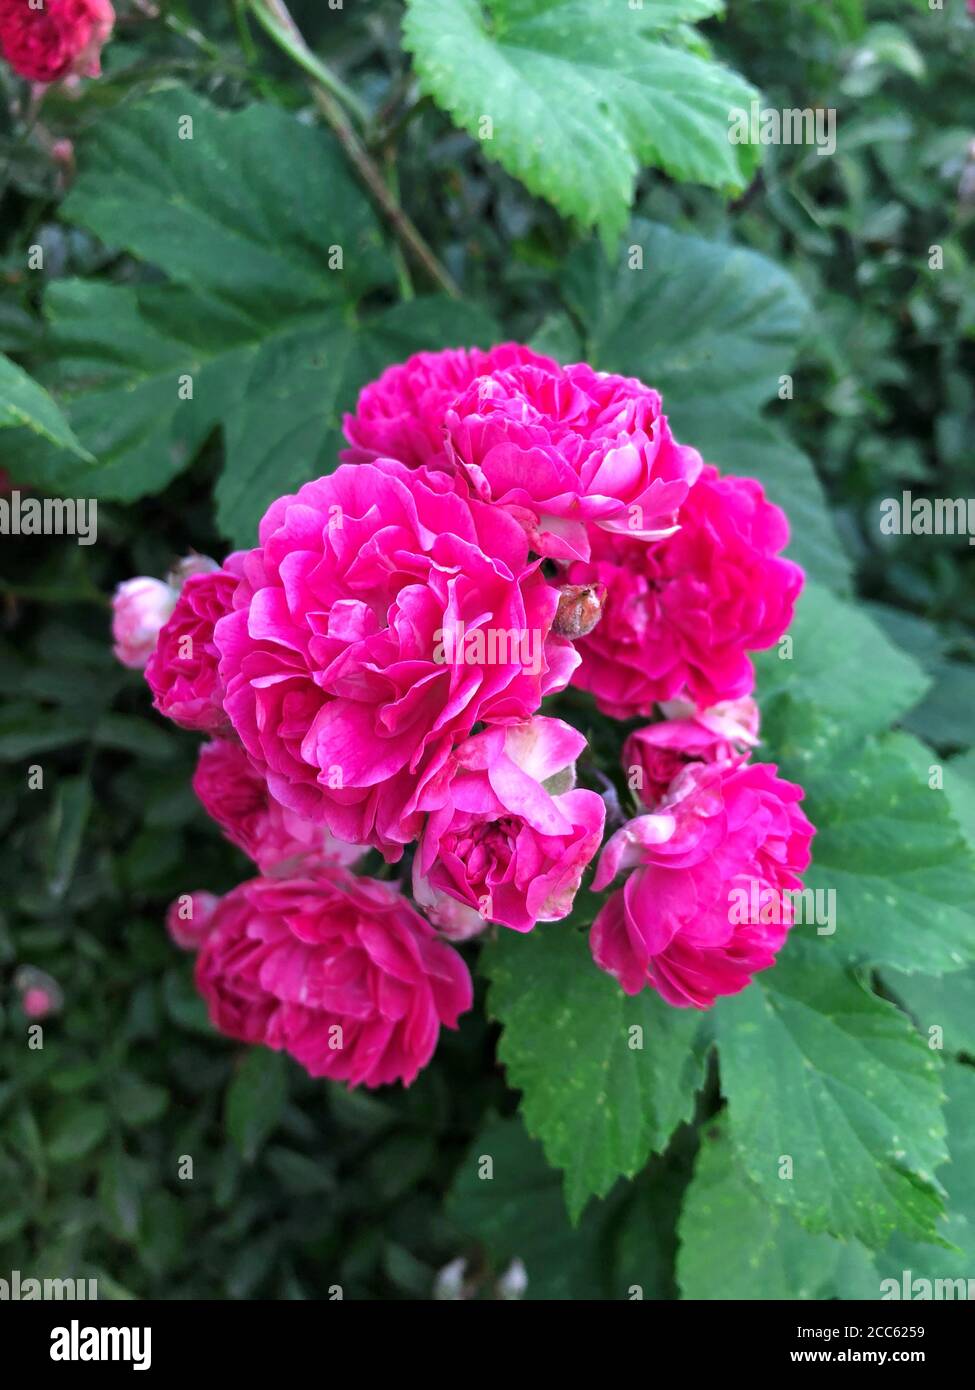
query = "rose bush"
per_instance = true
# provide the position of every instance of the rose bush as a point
(206, 263)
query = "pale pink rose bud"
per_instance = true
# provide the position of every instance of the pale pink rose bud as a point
(580, 608)
(188, 919)
(513, 1282)
(40, 995)
(454, 920)
(190, 564)
(140, 609)
(450, 1285)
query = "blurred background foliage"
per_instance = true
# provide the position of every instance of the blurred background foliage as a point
(296, 1186)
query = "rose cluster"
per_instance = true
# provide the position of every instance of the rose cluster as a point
(55, 40)
(371, 677)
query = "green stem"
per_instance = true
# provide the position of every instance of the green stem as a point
(275, 19)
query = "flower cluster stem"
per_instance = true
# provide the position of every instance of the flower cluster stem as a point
(332, 98)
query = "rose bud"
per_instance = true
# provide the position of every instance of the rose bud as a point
(580, 608)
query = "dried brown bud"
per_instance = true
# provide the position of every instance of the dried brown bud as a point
(580, 608)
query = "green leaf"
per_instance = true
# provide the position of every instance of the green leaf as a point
(120, 1184)
(26, 405)
(77, 1127)
(287, 425)
(938, 1001)
(245, 210)
(840, 665)
(255, 1100)
(957, 1228)
(817, 1069)
(735, 1245)
(70, 816)
(890, 850)
(713, 328)
(254, 335)
(581, 94)
(518, 1211)
(605, 1078)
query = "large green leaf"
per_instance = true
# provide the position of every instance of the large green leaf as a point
(605, 1078)
(735, 1245)
(946, 1002)
(514, 1206)
(246, 209)
(26, 405)
(840, 666)
(957, 1227)
(888, 846)
(581, 93)
(713, 327)
(253, 332)
(818, 1070)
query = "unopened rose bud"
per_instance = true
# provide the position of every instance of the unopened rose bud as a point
(188, 919)
(190, 564)
(449, 1285)
(580, 608)
(454, 920)
(40, 995)
(140, 608)
(513, 1282)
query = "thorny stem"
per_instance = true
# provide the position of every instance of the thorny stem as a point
(275, 18)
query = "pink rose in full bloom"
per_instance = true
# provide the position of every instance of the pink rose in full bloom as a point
(655, 754)
(706, 905)
(62, 38)
(560, 449)
(335, 663)
(681, 615)
(500, 842)
(278, 840)
(189, 917)
(140, 608)
(339, 971)
(401, 416)
(183, 670)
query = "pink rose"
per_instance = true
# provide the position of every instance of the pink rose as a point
(183, 672)
(706, 905)
(189, 917)
(278, 840)
(63, 38)
(140, 607)
(655, 754)
(680, 616)
(339, 971)
(401, 415)
(560, 449)
(499, 840)
(40, 993)
(335, 661)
